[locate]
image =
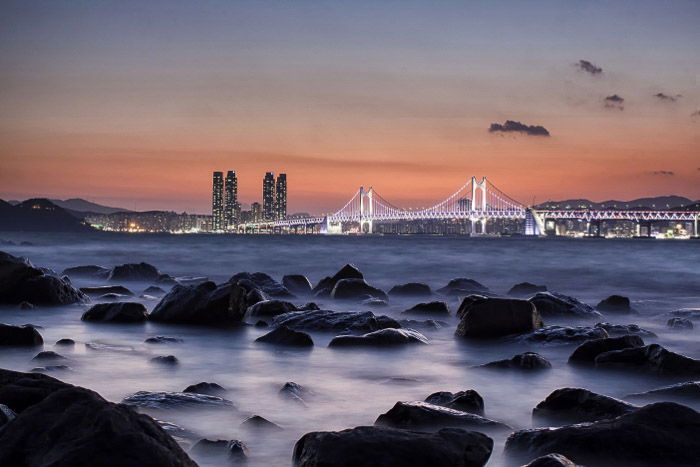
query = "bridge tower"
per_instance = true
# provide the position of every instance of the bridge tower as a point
(481, 206)
(366, 212)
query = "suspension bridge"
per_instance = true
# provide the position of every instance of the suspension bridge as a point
(476, 202)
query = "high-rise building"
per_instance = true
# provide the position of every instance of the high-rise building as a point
(281, 197)
(217, 201)
(268, 195)
(255, 212)
(231, 201)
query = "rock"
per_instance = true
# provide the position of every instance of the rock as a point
(65, 342)
(294, 392)
(374, 446)
(270, 308)
(308, 306)
(325, 285)
(428, 417)
(21, 282)
(87, 272)
(102, 290)
(19, 336)
(258, 423)
(282, 335)
(567, 406)
(99, 346)
(48, 355)
(427, 324)
(205, 303)
(688, 391)
(624, 329)
(163, 340)
(564, 334)
(356, 289)
(657, 434)
(380, 338)
(254, 296)
(588, 351)
(551, 460)
(175, 400)
(119, 312)
(498, 317)
(615, 304)
(326, 320)
(6, 414)
(523, 361)
(189, 280)
(690, 313)
(297, 284)
(526, 289)
(465, 401)
(679, 323)
(261, 324)
(154, 291)
(556, 304)
(262, 281)
(652, 358)
(222, 450)
(165, 360)
(135, 272)
(211, 389)
(62, 425)
(26, 306)
(463, 286)
(112, 297)
(411, 289)
(374, 302)
(429, 308)
(467, 302)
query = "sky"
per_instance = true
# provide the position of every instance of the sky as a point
(134, 104)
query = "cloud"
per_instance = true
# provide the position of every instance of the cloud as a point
(512, 126)
(665, 173)
(588, 67)
(695, 114)
(614, 102)
(665, 97)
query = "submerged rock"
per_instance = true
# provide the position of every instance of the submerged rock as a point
(211, 389)
(87, 272)
(102, 290)
(556, 304)
(380, 338)
(411, 289)
(523, 361)
(688, 391)
(564, 334)
(294, 391)
(525, 289)
(429, 417)
(163, 340)
(588, 351)
(356, 289)
(679, 323)
(270, 308)
(134, 272)
(19, 336)
(66, 342)
(120, 312)
(326, 320)
(26, 306)
(498, 317)
(463, 286)
(374, 302)
(429, 308)
(282, 335)
(297, 284)
(624, 329)
(205, 303)
(465, 401)
(258, 423)
(374, 446)
(48, 355)
(262, 281)
(220, 450)
(154, 291)
(567, 406)
(615, 304)
(165, 360)
(652, 358)
(325, 285)
(175, 400)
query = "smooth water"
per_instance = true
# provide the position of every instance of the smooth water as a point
(353, 386)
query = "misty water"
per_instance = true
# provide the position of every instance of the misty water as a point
(353, 386)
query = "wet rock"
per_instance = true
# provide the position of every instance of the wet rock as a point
(83, 428)
(467, 302)
(282, 335)
(465, 401)
(19, 336)
(564, 334)
(588, 351)
(657, 434)
(428, 417)
(325, 285)
(523, 361)
(556, 304)
(679, 323)
(261, 281)
(326, 320)
(615, 304)
(294, 391)
(87, 272)
(211, 389)
(551, 460)
(429, 308)
(380, 338)
(356, 289)
(154, 291)
(21, 282)
(258, 423)
(411, 289)
(388, 447)
(163, 340)
(135, 272)
(66, 342)
(652, 358)
(688, 391)
(48, 355)
(6, 414)
(261, 324)
(624, 329)
(50, 368)
(175, 400)
(206, 304)
(233, 451)
(102, 290)
(567, 406)
(498, 317)
(165, 360)
(526, 289)
(26, 306)
(254, 296)
(427, 324)
(297, 284)
(463, 286)
(374, 302)
(270, 308)
(119, 312)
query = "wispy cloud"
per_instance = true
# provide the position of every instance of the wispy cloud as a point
(588, 67)
(666, 98)
(664, 173)
(511, 126)
(614, 102)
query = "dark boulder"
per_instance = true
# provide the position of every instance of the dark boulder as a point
(282, 335)
(431, 324)
(428, 417)
(154, 291)
(463, 286)
(657, 434)
(615, 304)
(498, 317)
(48, 355)
(588, 351)
(567, 406)
(325, 285)
(270, 308)
(294, 392)
(429, 308)
(380, 338)
(465, 401)
(356, 289)
(564, 334)
(523, 361)
(556, 304)
(165, 360)
(262, 281)
(87, 272)
(374, 302)
(687, 392)
(134, 272)
(258, 423)
(119, 312)
(176, 400)
(679, 323)
(211, 389)
(297, 284)
(467, 302)
(26, 306)
(66, 342)
(373, 446)
(102, 290)
(526, 289)
(326, 320)
(551, 460)
(19, 336)
(6, 414)
(163, 340)
(220, 451)
(652, 358)
(624, 329)
(261, 324)
(254, 296)
(411, 289)
(205, 303)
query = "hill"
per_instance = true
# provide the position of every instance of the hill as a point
(82, 205)
(38, 214)
(660, 203)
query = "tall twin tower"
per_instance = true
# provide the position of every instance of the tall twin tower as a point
(226, 210)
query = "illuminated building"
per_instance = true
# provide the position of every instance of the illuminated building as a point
(231, 207)
(256, 212)
(268, 206)
(281, 197)
(217, 202)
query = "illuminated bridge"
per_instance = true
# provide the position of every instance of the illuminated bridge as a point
(476, 202)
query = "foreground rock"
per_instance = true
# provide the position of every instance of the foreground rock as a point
(588, 351)
(120, 312)
(564, 334)
(21, 281)
(688, 391)
(101, 290)
(294, 392)
(411, 289)
(270, 308)
(615, 304)
(556, 304)
(211, 389)
(567, 406)
(657, 434)
(526, 289)
(465, 401)
(428, 417)
(429, 308)
(653, 358)
(205, 303)
(175, 400)
(297, 284)
(282, 335)
(462, 287)
(261, 281)
(498, 317)
(523, 361)
(163, 340)
(356, 289)
(380, 338)
(551, 460)
(62, 425)
(326, 285)
(134, 272)
(326, 320)
(87, 272)
(387, 447)
(260, 424)
(624, 329)
(19, 336)
(220, 451)
(679, 323)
